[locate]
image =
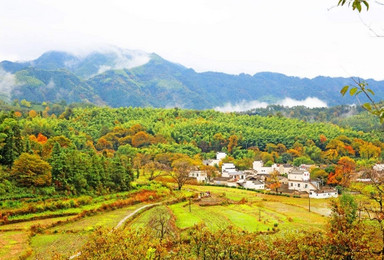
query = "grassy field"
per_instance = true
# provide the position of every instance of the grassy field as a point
(68, 238)
(320, 206)
(258, 212)
(72, 231)
(246, 210)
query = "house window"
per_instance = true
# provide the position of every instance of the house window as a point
(291, 184)
(298, 185)
(306, 185)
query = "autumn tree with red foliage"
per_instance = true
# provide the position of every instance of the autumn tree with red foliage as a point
(343, 172)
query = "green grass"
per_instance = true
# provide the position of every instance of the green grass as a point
(184, 218)
(66, 244)
(261, 213)
(106, 219)
(60, 239)
(320, 206)
(27, 225)
(144, 218)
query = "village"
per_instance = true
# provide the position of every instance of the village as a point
(279, 178)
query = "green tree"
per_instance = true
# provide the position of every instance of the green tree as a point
(10, 141)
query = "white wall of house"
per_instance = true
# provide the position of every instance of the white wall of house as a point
(301, 186)
(227, 168)
(200, 176)
(298, 176)
(232, 184)
(285, 170)
(323, 195)
(220, 156)
(254, 186)
(213, 162)
(259, 167)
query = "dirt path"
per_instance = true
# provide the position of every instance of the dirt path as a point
(123, 221)
(134, 213)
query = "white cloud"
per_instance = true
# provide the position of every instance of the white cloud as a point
(299, 37)
(310, 102)
(50, 85)
(103, 68)
(241, 106)
(7, 82)
(127, 59)
(124, 58)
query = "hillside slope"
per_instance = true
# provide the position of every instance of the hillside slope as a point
(133, 78)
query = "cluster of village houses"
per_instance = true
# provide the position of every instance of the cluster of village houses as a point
(297, 181)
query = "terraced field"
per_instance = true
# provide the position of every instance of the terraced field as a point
(68, 238)
(257, 212)
(246, 210)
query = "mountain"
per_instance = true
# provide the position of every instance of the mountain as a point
(117, 77)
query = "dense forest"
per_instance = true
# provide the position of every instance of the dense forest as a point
(354, 117)
(79, 149)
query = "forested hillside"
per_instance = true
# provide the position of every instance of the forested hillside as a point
(97, 150)
(133, 78)
(353, 117)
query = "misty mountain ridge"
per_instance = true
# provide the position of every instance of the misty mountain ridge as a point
(118, 77)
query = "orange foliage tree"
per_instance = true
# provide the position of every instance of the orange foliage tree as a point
(141, 139)
(31, 170)
(343, 172)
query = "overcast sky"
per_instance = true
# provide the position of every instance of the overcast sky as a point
(298, 37)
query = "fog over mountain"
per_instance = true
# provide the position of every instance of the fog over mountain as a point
(119, 77)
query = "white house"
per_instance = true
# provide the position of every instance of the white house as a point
(200, 176)
(298, 175)
(286, 168)
(219, 157)
(226, 181)
(323, 194)
(252, 183)
(259, 167)
(300, 180)
(229, 170)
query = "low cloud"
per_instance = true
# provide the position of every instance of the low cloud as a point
(310, 102)
(241, 106)
(7, 82)
(127, 59)
(50, 85)
(103, 68)
(123, 59)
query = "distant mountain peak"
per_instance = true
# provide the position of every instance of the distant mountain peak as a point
(121, 77)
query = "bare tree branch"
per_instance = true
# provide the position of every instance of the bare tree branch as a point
(370, 28)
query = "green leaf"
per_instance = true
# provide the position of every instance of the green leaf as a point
(366, 4)
(353, 91)
(367, 106)
(370, 91)
(344, 90)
